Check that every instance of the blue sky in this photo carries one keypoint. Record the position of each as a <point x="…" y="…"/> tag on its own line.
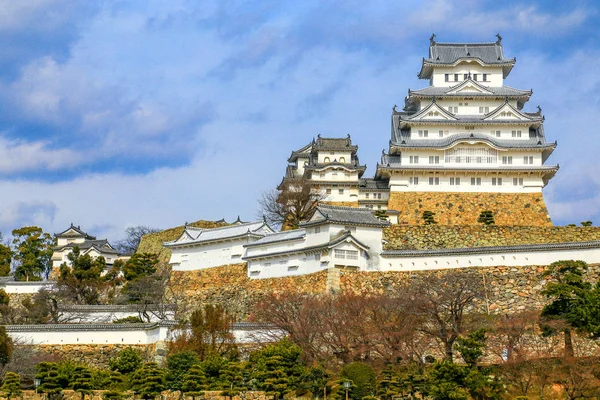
<point x="119" y="113"/>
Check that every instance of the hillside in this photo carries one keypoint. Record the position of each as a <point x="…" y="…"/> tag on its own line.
<point x="152" y="243"/>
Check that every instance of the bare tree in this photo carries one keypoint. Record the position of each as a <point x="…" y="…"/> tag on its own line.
<point x="293" y="201"/>
<point x="133" y="236"/>
<point x="440" y="301"/>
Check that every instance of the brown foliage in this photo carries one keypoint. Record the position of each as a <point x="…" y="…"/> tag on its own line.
<point x="294" y="202"/>
<point x="208" y="334"/>
<point x="344" y="328"/>
<point x="442" y="301"/>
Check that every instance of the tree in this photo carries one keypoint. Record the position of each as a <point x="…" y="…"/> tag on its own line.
<point x="471" y="346"/>
<point x="32" y="253"/>
<point x="126" y="361"/>
<point x="194" y="382"/>
<point x="82" y="282"/>
<point x="440" y="301"/>
<point x="210" y="334"/>
<point x="140" y="265"/>
<point x="6" y="346"/>
<point x="82" y="380"/>
<point x="586" y="223"/>
<point x="566" y="291"/>
<point x="486" y="217"/>
<point x="429" y="217"/>
<point x="146" y="285"/>
<point x="42" y="308"/>
<point x="294" y="201"/>
<point x="389" y="386"/>
<point x="233" y="379"/>
<point x="133" y="236"/>
<point x="148" y="381"/>
<point x="5" y="259"/>
<point x="110" y="381"/>
<point x="12" y="385"/>
<point x="315" y="380"/>
<point x="47" y="372"/>
<point x="178" y="365"/>
<point x="362" y="377"/>
<point x="278" y="368"/>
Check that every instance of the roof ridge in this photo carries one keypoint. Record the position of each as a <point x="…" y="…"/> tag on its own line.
<point x="230" y="226"/>
<point x="343" y="207"/>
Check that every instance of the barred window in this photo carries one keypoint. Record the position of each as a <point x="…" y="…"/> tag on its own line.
<point x="475" y="155"/>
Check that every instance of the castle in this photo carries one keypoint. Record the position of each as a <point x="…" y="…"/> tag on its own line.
<point x="462" y="152"/>
<point x="460" y="146"/>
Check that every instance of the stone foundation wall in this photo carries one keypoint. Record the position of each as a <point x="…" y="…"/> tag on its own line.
<point x="96" y="355"/>
<point x="528" y="209"/>
<point x="230" y="286"/>
<point x="507" y="289"/>
<point x="423" y="237"/>
<point x="342" y="203"/>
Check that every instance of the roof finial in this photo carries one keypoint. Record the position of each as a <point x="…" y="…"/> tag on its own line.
<point x="539" y="110"/>
<point x="185" y="225"/>
<point x="469" y="74"/>
<point x="432" y="39"/>
<point x="433" y="99"/>
<point x="394" y="108"/>
<point x="383" y="152"/>
<point x="499" y="41"/>
<point x="505" y="99"/>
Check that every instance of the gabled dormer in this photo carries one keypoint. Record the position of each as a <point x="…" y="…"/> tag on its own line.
<point x="432" y="112"/>
<point x="508" y="112"/>
<point x="469" y="87"/>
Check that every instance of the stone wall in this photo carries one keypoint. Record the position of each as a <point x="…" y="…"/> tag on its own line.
<point x="527" y="209"/>
<point x="96" y="355"/>
<point x="423" y="237"/>
<point x="230" y="286"/>
<point x="507" y="289"/>
<point x="342" y="203"/>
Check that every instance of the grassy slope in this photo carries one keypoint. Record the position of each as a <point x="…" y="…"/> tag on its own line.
<point x="152" y="243"/>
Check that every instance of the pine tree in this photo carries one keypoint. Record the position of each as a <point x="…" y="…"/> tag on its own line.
<point x="232" y="379"/>
<point x="114" y="385"/>
<point x="389" y="385"/>
<point x="148" y="381"/>
<point x="12" y="385"/>
<point x="274" y="380"/>
<point x="429" y="218"/>
<point x="486" y="217"/>
<point x="194" y="382"/>
<point x="82" y="380"/>
<point x="47" y="372"/>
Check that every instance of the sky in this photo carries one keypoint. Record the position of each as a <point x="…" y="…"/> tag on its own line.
<point x="123" y="113"/>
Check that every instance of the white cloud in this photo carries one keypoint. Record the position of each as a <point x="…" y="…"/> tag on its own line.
<point x="21" y="156"/>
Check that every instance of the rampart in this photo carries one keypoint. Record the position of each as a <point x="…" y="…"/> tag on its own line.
<point x="525" y="209"/>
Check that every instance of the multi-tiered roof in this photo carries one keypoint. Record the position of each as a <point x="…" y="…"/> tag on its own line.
<point x="436" y="108"/>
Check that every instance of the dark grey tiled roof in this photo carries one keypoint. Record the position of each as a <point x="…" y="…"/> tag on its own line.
<point x="88" y="327"/>
<point x="202" y="235"/>
<point x="335" y="143"/>
<point x="354" y="166"/>
<point x="373" y="184"/>
<point x="449" y="53"/>
<point x="346" y="216"/>
<point x="295" y="234"/>
<point x="101" y="245"/>
<point x="404" y="140"/>
<point x="310" y="249"/>
<point x="114" y="307"/>
<point x="493" y="249"/>
<point x="76" y="229"/>
<point x="436" y="91"/>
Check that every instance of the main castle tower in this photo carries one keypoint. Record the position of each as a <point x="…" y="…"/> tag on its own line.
<point x="464" y="145"/>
